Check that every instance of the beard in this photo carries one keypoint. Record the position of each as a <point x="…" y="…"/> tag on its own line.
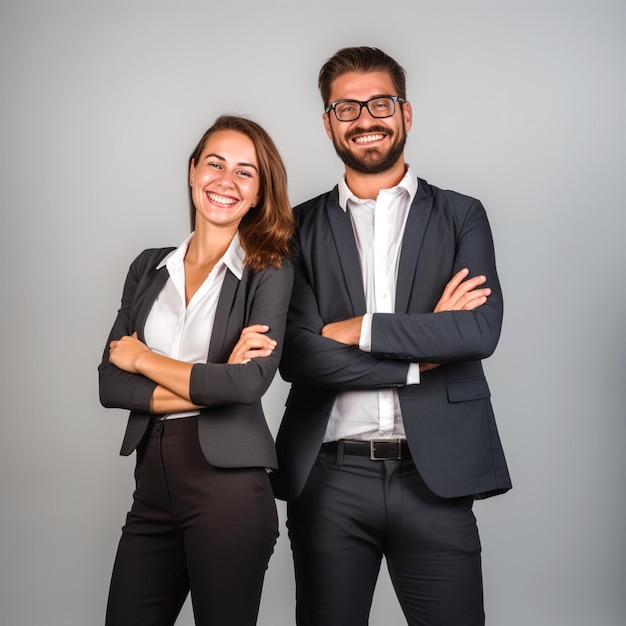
<point x="372" y="161"/>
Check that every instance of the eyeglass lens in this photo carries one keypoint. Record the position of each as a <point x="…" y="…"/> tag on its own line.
<point x="349" y="110"/>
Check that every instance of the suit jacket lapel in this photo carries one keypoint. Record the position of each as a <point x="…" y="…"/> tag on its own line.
<point x="416" y="223"/>
<point x="341" y="228"/>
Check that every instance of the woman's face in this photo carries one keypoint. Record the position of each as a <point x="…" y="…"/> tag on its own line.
<point x="225" y="180"/>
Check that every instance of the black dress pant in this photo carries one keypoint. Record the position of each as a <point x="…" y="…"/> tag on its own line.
<point x="191" y="527"/>
<point x="352" y="512"/>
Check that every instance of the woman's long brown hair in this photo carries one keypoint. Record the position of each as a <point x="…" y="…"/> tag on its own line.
<point x="266" y="230"/>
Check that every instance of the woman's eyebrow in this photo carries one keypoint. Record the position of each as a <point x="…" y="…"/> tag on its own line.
<point x="241" y="164"/>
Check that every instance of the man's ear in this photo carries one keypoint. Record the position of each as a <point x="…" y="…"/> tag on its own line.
<point x="329" y="130"/>
<point x="407" y="116"/>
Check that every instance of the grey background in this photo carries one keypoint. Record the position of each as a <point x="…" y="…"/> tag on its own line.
<point x="520" y="103"/>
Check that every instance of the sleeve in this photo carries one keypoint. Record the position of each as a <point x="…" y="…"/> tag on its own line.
<point x="120" y="389"/>
<point x="365" y="343"/>
<point x="220" y="383"/>
<point x="310" y="359"/>
<point x="451" y="335"/>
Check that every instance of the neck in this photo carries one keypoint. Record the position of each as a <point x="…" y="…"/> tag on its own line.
<point x="208" y="245"/>
<point x="367" y="186"/>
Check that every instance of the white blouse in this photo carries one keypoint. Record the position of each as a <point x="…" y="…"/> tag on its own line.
<point x="180" y="331"/>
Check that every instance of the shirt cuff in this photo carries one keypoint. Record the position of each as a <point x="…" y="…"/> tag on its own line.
<point x="413" y="375"/>
<point x="365" y="340"/>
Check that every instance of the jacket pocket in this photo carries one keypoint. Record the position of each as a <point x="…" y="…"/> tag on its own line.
<point x="468" y="389"/>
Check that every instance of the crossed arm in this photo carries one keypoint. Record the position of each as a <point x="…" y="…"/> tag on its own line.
<point x="459" y="295"/>
<point x="133" y="377"/>
<point x="329" y="356"/>
<point x="172" y="377"/>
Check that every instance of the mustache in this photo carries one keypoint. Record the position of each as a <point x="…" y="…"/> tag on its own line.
<point x="368" y="131"/>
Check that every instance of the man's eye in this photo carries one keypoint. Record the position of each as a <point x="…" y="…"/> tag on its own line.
<point x="380" y="105"/>
<point x="346" y="108"/>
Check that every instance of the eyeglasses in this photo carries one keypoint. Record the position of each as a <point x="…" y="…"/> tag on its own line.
<point x="350" y="110"/>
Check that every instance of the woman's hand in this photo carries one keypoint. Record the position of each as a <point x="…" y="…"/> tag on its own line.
<point x="253" y="343"/>
<point x="123" y="353"/>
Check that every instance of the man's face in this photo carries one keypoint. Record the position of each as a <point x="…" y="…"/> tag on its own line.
<point x="367" y="145"/>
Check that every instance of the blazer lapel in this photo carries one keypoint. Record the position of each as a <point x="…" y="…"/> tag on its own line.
<point x="147" y="299"/>
<point x="416" y="223"/>
<point x="223" y="315"/>
<point x="223" y="312"/>
<point x="341" y="228"/>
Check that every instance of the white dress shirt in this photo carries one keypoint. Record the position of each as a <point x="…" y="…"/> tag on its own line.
<point x="182" y="331"/>
<point x="378" y="229"/>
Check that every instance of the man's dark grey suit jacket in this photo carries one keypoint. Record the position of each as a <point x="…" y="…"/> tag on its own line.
<point x="448" y="417"/>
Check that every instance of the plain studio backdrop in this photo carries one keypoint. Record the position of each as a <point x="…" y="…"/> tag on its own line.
<point x="519" y="103"/>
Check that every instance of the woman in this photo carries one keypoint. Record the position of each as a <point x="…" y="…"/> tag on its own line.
<point x="196" y="343"/>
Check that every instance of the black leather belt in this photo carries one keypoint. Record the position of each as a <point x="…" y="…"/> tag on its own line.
<point x="375" y="449"/>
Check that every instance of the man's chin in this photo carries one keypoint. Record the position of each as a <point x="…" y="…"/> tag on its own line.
<point x="372" y="163"/>
<point x="371" y="160"/>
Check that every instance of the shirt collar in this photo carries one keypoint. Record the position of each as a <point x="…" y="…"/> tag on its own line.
<point x="233" y="257"/>
<point x="408" y="184"/>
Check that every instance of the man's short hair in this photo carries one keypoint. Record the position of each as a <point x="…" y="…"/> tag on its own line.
<point x="361" y="59"/>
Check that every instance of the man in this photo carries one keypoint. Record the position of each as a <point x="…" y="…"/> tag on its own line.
<point x="388" y="434"/>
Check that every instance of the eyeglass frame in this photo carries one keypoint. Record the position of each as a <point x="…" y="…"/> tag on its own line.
<point x="365" y="103"/>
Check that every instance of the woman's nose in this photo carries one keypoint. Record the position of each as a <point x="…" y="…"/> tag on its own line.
<point x="225" y="180"/>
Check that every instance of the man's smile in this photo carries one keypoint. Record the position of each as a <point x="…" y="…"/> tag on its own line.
<point x="363" y="139"/>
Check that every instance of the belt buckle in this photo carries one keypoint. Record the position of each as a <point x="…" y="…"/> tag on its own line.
<point x="373" y="456"/>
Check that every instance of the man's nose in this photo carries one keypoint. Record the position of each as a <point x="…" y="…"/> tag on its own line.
<point x="366" y="116"/>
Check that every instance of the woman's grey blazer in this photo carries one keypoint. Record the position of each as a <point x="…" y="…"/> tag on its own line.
<point x="231" y="428"/>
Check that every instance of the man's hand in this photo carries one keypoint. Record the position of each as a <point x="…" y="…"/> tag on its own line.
<point x="347" y="331"/>
<point x="460" y="295"/>
<point x="463" y="295"/>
